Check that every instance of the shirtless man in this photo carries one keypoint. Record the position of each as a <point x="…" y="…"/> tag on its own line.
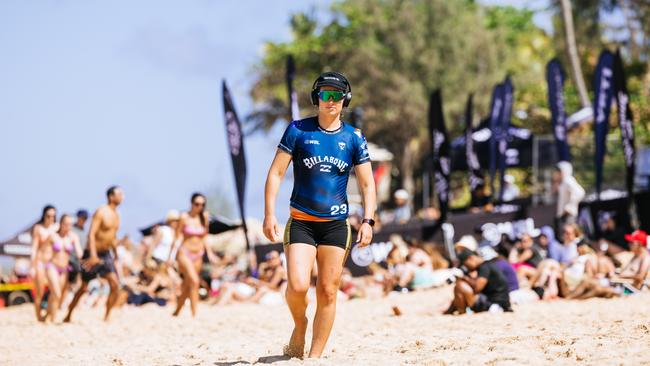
<point x="97" y="259"/>
<point x="636" y="271"/>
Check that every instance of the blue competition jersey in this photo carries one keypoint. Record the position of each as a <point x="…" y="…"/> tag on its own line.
<point x="321" y="166"/>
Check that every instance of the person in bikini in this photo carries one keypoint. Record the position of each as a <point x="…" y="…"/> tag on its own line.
<point x="41" y="254"/>
<point x="63" y="243"/>
<point x="324" y="151"/>
<point x="98" y="258"/>
<point x="191" y="230"/>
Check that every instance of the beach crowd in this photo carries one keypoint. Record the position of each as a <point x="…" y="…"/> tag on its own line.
<point x="79" y="259"/>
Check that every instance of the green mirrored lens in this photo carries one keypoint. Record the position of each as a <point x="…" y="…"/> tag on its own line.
<point x="326" y="95"/>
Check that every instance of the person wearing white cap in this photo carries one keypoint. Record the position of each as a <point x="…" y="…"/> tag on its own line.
<point x="510" y="190"/>
<point x="162" y="249"/>
<point x="403" y="210"/>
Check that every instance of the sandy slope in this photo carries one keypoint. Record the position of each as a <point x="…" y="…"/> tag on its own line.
<point x="591" y="332"/>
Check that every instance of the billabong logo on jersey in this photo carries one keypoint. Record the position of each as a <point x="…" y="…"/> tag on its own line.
<point x="342" y="145"/>
<point x="315" y="160"/>
<point x="312" y="142"/>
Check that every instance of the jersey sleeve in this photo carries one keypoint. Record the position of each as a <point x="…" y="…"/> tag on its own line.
<point x="361" y="154"/>
<point x="483" y="271"/>
<point x="288" y="141"/>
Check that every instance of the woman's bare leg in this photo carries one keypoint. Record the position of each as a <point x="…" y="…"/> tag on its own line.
<point x="54" y="284"/>
<point x="300" y="261"/>
<point x="185" y="290"/>
<point x="194" y="283"/>
<point x="39" y="289"/>
<point x="330" y="266"/>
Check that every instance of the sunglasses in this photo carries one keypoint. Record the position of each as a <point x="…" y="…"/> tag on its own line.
<point x="198" y="204"/>
<point x="334" y="95"/>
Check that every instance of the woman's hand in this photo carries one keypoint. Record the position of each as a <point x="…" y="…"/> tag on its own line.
<point x="270" y="228"/>
<point x="364" y="236"/>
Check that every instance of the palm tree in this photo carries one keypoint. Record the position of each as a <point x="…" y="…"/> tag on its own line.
<point x="572" y="49"/>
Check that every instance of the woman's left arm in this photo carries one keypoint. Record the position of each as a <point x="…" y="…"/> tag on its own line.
<point x="367" y="187"/>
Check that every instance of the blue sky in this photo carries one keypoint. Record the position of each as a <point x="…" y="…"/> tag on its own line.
<point x="100" y="93"/>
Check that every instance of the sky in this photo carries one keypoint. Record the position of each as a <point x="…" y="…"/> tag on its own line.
<point x="100" y="93"/>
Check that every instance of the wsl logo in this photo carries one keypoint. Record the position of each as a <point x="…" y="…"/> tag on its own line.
<point x="234" y="133"/>
<point x="315" y="160"/>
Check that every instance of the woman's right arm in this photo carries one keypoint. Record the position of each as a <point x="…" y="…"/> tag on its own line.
<point x="273" y="180"/>
<point x="35" y="244"/>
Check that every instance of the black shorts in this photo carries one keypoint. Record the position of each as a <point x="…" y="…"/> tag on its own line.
<point x="106" y="266"/>
<point x="74" y="268"/>
<point x="482" y="303"/>
<point x="336" y="233"/>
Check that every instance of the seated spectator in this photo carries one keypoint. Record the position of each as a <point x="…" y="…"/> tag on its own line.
<point x="571" y="236"/>
<point x="151" y="285"/>
<point x="488" y="290"/>
<point x="596" y="282"/>
<point x="403" y="209"/>
<point x="267" y="289"/>
<point x="481" y="200"/>
<point x="549" y="246"/>
<point x="636" y="271"/>
<point x="348" y="286"/>
<point x="611" y="234"/>
<point x="490" y="255"/>
<point x="546" y="282"/>
<point x="575" y="273"/>
<point x="510" y="189"/>
<point x="525" y="257"/>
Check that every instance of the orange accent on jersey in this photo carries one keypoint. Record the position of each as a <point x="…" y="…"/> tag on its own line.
<point x="299" y="215"/>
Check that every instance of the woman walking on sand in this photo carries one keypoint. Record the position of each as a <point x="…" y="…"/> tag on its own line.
<point x="191" y="230"/>
<point x="324" y="150"/>
<point x="62" y="244"/>
<point x="41" y="254"/>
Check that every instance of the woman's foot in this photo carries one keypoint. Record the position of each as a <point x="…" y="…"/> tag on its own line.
<point x="296" y="346"/>
<point x="177" y="311"/>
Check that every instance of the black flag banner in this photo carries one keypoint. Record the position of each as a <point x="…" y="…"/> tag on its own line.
<point x="555" y="79"/>
<point x="236" y="144"/>
<point x="603" y="94"/>
<point x="625" y="121"/>
<point x="473" y="167"/>
<point x="440" y="144"/>
<point x="294" y="111"/>
<point x="503" y="132"/>
<point x="496" y="108"/>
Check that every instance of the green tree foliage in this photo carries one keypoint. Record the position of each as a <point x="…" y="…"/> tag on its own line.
<point x="396" y="52"/>
<point x="595" y="30"/>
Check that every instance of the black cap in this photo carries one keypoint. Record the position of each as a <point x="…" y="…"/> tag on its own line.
<point x="333" y="79"/>
<point x="463" y="255"/>
<point x="82" y="213"/>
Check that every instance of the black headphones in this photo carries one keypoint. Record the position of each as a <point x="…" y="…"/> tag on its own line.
<point x="332" y="75"/>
